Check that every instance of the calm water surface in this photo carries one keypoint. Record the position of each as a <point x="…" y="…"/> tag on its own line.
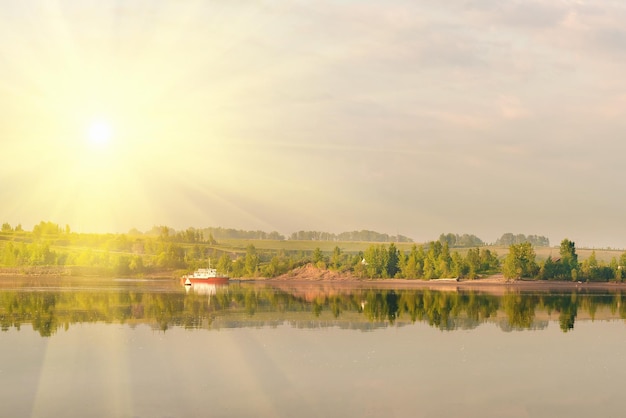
<point x="151" y="349"/>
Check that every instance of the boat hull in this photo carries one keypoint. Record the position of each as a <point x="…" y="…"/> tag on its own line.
<point x="188" y="281"/>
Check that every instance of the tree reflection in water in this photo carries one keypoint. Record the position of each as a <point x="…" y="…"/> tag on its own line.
<point x="241" y="305"/>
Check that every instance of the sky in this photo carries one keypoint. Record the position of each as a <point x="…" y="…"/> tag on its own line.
<point x="409" y="117"/>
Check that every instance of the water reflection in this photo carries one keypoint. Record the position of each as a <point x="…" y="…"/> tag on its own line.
<point x="163" y="305"/>
<point x="204" y="288"/>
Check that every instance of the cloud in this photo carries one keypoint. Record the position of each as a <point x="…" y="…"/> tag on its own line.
<point x="539" y="14"/>
<point x="511" y="107"/>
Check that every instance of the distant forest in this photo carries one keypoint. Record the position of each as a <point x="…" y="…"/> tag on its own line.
<point x="211" y="234"/>
<point x="217" y="233"/>
<point x="356" y="236"/>
<point x="512" y="239"/>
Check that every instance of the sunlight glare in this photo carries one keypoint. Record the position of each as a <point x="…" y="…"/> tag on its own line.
<point x="99" y="133"/>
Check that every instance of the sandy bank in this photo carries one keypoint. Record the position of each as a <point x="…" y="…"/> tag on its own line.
<point x="310" y="275"/>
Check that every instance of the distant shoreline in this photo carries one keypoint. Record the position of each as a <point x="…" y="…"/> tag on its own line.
<point x="488" y="284"/>
<point x="335" y="279"/>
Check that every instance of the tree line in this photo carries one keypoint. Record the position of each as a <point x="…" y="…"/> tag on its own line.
<point x="521" y="263"/>
<point x="431" y="261"/>
<point x="50" y="244"/>
<point x="465" y="240"/>
<point x="353" y="236"/>
<point x="211" y="234"/>
<point x="120" y="254"/>
<point x="511" y="239"/>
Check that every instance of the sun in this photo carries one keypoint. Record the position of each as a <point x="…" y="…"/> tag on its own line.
<point x="99" y="133"/>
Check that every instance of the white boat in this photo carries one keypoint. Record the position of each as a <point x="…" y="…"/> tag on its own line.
<point x="205" y="275"/>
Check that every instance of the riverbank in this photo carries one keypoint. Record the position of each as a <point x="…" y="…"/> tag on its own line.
<point x="492" y="285"/>
<point x="310" y="276"/>
<point x="81" y="271"/>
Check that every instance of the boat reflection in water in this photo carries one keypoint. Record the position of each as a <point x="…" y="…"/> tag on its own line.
<point x="205" y="288"/>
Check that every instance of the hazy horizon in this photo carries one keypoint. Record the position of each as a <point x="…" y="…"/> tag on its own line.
<point x="402" y="117"/>
<point x="287" y="234"/>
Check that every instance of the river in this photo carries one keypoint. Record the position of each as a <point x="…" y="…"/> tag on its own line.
<point x="150" y="348"/>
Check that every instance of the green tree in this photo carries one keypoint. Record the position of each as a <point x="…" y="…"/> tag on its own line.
<point x="617" y="271"/>
<point x="164" y="233"/>
<point x="589" y="265"/>
<point x="444" y="261"/>
<point x="548" y="270"/>
<point x="376" y="261"/>
<point x="272" y="269"/>
<point x="622" y="260"/>
<point x="489" y="262"/>
<point x="472" y="259"/>
<point x="46" y="228"/>
<point x="459" y="267"/>
<point x="429" y="269"/>
<point x="136" y="264"/>
<point x="317" y="255"/>
<point x="412" y="269"/>
<point x="569" y="259"/>
<point x="337" y="258"/>
<point x="239" y="267"/>
<point x="520" y="262"/>
<point x="41" y="254"/>
<point x="252" y="261"/>
<point x="171" y="256"/>
<point x="10" y="253"/>
<point x="224" y="264"/>
<point x="392" y="260"/>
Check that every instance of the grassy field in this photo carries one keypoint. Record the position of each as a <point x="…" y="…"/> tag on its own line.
<point x="306" y="246"/>
<point x="239" y="246"/>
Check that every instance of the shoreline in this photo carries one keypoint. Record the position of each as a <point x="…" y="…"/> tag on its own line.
<point x="491" y="284"/>
<point x="326" y="278"/>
